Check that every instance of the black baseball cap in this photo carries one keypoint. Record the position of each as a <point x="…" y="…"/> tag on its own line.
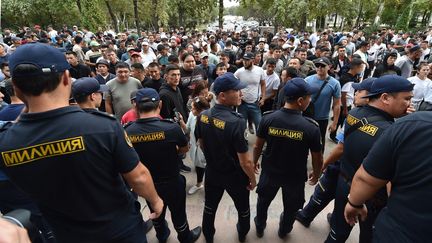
<point x="322" y="60"/>
<point x="86" y="86"/>
<point x="226" y="82"/>
<point x="389" y="84"/>
<point x="248" y="56"/>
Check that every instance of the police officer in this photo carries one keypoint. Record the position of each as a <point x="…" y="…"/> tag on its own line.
<point x="88" y="93"/>
<point x="150" y="135"/>
<point x="70" y="161"/>
<point x="220" y="133"/>
<point x="325" y="190"/>
<point x="389" y="98"/>
<point x="402" y="156"/>
<point x="289" y="137"/>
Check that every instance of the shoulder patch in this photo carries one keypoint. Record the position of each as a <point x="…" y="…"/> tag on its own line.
<point x="102" y="114"/>
<point x="311" y="121"/>
<point x="268" y="112"/>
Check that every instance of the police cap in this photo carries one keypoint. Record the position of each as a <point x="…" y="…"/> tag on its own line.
<point x="86" y="86"/>
<point x="298" y="87"/>
<point x="226" y="82"/>
<point x="46" y="58"/>
<point x="389" y="84"/>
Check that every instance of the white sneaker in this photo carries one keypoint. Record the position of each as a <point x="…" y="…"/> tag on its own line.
<point x="194" y="189"/>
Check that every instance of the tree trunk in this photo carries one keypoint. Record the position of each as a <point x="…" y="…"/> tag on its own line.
<point x="335" y="21"/>
<point x="303" y="22"/>
<point x="155" y="18"/>
<point x="410" y="14"/>
<point x="136" y="16"/>
<point x="78" y="2"/>
<point x="181" y="13"/>
<point x="379" y="12"/>
<point x="424" y="17"/>
<point x="221" y="13"/>
<point x="342" y="24"/>
<point x="430" y="19"/>
<point x="357" y="23"/>
<point x="113" y="17"/>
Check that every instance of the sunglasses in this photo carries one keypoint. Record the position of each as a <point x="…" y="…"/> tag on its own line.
<point x="320" y="65"/>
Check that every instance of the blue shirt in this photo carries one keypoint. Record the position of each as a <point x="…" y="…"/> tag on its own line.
<point x="331" y="90"/>
<point x="11" y="112"/>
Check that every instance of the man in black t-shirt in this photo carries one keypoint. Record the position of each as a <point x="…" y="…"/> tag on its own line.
<point x="76" y="173"/>
<point x="150" y="135"/>
<point x="389" y="98"/>
<point x="77" y="70"/>
<point x="155" y="80"/>
<point x="400" y="156"/>
<point x="297" y="135"/>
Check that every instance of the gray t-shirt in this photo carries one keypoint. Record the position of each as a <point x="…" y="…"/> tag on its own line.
<point x="120" y="95"/>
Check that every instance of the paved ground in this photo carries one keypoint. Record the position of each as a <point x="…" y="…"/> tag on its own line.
<point x="227" y="216"/>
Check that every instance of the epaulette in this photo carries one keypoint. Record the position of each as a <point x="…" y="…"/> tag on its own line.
<point x="5" y="126"/>
<point x="311" y="121"/>
<point x="168" y="120"/>
<point x="268" y="112"/>
<point x="103" y="114"/>
<point x="128" y="124"/>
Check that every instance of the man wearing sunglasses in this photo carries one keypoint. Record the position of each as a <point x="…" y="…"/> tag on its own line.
<point x="330" y="91"/>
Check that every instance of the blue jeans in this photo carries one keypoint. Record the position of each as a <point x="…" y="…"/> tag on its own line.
<point x="250" y="111"/>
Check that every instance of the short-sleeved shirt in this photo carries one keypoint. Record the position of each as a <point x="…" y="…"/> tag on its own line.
<point x="358" y="144"/>
<point x="406" y="66"/>
<point x="253" y="78"/>
<point x="402" y="155"/>
<point x="72" y="170"/>
<point x="120" y="95"/>
<point x="222" y="140"/>
<point x="189" y="80"/>
<point x="156" y="143"/>
<point x="272" y="83"/>
<point x="331" y="90"/>
<point x="289" y="137"/>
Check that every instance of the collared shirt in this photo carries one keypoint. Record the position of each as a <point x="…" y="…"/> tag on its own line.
<point x="289" y="137"/>
<point x="156" y="143"/>
<point x="222" y="140"/>
<point x="75" y="172"/>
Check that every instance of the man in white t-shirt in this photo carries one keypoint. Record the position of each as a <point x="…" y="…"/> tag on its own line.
<point x="272" y="84"/>
<point x="254" y="95"/>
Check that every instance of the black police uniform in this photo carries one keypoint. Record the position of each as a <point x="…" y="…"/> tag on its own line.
<point x="356" y="147"/>
<point x="222" y="133"/>
<point x="72" y="170"/>
<point x="289" y="137"/>
<point x="402" y="156"/>
<point x="156" y="142"/>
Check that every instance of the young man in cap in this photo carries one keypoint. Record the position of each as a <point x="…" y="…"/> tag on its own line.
<point x="150" y="135"/>
<point x="75" y="172"/>
<point x="254" y="95"/>
<point x="220" y="133"/>
<point x="325" y="191"/>
<point x="330" y="93"/>
<point x="389" y="98"/>
<point x="103" y="74"/>
<point x="88" y="93"/>
<point x="297" y="135"/>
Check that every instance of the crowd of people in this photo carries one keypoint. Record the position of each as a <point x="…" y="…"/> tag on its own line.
<point x="94" y="120"/>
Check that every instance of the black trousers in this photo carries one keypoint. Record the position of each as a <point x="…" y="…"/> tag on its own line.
<point x="173" y="193"/>
<point x="292" y="196"/>
<point x="323" y="124"/>
<point x="340" y="229"/>
<point x="236" y="189"/>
